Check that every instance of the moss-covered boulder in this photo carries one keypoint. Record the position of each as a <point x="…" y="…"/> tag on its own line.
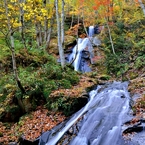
<point x="53" y="46"/>
<point x="68" y="105"/>
<point x="11" y="114"/>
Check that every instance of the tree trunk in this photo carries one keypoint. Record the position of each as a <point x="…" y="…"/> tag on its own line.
<point x="111" y="41"/>
<point x="22" y="24"/>
<point x="61" y="51"/>
<point x="62" y="23"/>
<point x="49" y="33"/>
<point x="45" y="29"/>
<point x="12" y="48"/>
<point x="38" y="34"/>
<point x="72" y="20"/>
<point x="45" y="23"/>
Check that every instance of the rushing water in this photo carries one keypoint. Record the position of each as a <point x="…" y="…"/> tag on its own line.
<point x="91" y="31"/>
<point x="101" y="119"/>
<point x="77" y="52"/>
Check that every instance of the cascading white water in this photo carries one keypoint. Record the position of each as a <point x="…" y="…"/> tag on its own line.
<point x="81" y="45"/>
<point x="106" y="112"/>
<point x="54" y="140"/>
<point x="73" y="54"/>
<point x="106" y="119"/>
<point x="91" y="31"/>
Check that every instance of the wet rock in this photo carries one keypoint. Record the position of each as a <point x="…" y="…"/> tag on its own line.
<point x="12" y="143"/>
<point x="143" y="116"/>
<point x="23" y="141"/>
<point x="122" y="96"/>
<point x="85" y="95"/>
<point x="133" y="129"/>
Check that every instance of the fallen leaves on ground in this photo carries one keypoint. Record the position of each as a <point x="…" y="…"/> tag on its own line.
<point x="30" y="126"/>
<point x="137" y="86"/>
<point x="75" y="91"/>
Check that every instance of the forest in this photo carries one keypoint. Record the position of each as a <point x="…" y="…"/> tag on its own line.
<point x="38" y="87"/>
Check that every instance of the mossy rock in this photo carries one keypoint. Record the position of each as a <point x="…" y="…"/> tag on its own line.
<point x="27" y="104"/>
<point x="11" y="114"/>
<point x="69" y="41"/>
<point x="53" y="46"/>
<point x="68" y="105"/>
<point x="104" y="77"/>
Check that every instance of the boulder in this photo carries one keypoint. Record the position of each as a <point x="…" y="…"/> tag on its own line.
<point x="10" y="114"/>
<point x="69" y="41"/>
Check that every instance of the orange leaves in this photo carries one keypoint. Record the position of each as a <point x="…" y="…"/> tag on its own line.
<point x="95" y="7"/>
<point x="31" y="126"/>
<point x="73" y="30"/>
<point x="75" y="91"/>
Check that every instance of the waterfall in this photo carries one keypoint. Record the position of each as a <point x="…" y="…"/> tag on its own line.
<point x="77" y="50"/>
<point x="91" y="31"/>
<point x="81" y="46"/>
<point x="77" y="53"/>
<point x="102" y="117"/>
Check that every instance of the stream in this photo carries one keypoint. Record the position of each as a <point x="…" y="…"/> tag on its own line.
<point x="99" y="122"/>
<point x="83" y="51"/>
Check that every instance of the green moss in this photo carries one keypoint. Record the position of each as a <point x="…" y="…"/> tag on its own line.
<point x="66" y="104"/>
<point x="2" y="98"/>
<point x="132" y="75"/>
<point x="1" y="134"/>
<point x="104" y="77"/>
<point x="66" y="84"/>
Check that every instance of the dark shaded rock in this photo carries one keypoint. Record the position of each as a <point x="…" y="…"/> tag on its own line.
<point x="11" y="114"/>
<point x="67" y="105"/>
<point x="133" y="129"/>
<point x="70" y="44"/>
<point x="23" y="141"/>
<point x="122" y="96"/>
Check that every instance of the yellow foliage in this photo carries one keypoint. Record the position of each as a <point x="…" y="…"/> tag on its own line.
<point x="39" y="18"/>
<point x="1" y="95"/>
<point x="38" y="1"/>
<point x="27" y="17"/>
<point x="126" y="19"/>
<point x="13" y="1"/>
<point x="25" y="7"/>
<point x="10" y="6"/>
<point x="8" y="86"/>
<point x="1" y="110"/>
<point x="16" y="24"/>
<point x="116" y="8"/>
<point x="22" y="5"/>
